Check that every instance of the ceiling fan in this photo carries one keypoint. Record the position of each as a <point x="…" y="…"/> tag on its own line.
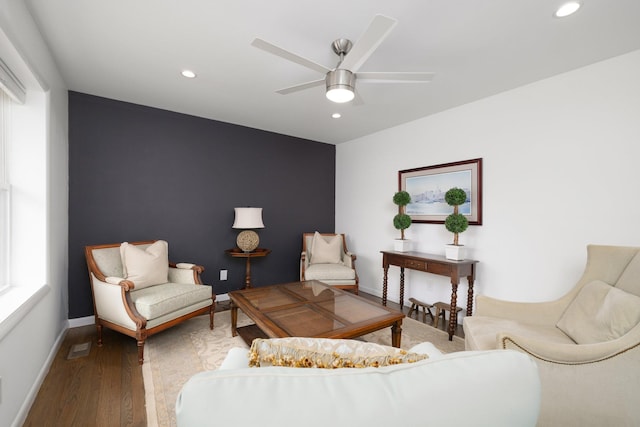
<point x="340" y="81"/>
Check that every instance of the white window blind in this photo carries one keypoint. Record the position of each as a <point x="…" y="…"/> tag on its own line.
<point x="11" y="84"/>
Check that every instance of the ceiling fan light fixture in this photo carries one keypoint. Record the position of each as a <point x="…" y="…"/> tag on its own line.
<point x="340" y="86"/>
<point x="340" y="95"/>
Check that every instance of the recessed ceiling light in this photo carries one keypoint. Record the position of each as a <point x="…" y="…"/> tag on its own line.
<point x="188" y="74"/>
<point x="336" y="115"/>
<point x="567" y="9"/>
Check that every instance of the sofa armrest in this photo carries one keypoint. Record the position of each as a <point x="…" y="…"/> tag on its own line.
<point x="571" y="354"/>
<point x="534" y="313"/>
<point x="348" y="259"/>
<point x="185" y="273"/>
<point x="113" y="302"/>
<point x="304" y="263"/>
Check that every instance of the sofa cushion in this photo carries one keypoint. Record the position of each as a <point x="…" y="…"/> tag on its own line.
<point x="155" y="301"/>
<point x="326" y="249"/>
<point x="600" y="313"/>
<point x="326" y="353"/>
<point x="145" y="267"/>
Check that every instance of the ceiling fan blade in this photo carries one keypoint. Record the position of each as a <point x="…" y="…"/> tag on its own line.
<point x="369" y="41"/>
<point x="278" y="51"/>
<point x="358" y="100"/>
<point x="396" y="77"/>
<point x="300" y="87"/>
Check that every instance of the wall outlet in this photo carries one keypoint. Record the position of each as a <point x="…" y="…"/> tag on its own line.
<point x="223" y="274"/>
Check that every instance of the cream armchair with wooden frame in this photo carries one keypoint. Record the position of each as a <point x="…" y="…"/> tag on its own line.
<point x="138" y="292"/>
<point x="325" y="258"/>
<point x="586" y="343"/>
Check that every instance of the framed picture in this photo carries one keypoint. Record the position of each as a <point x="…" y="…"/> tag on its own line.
<point x="428" y="185"/>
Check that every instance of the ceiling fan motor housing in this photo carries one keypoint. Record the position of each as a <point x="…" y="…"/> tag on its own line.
<point x="340" y="80"/>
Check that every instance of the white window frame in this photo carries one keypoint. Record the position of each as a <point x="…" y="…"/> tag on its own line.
<point x="5" y="191"/>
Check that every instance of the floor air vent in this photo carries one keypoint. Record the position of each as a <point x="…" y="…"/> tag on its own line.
<point x="79" y="350"/>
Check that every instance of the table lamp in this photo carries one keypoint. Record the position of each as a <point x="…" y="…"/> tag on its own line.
<point x="248" y="219"/>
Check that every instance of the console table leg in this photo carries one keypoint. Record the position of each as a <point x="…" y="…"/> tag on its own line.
<point x="452" y="310"/>
<point x="384" y="285"/>
<point x="402" y="289"/>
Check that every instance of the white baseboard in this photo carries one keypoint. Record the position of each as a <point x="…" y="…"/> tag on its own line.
<point x="21" y="417"/>
<point x="82" y="321"/>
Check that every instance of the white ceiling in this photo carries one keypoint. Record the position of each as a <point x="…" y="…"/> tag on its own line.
<point x="134" y="50"/>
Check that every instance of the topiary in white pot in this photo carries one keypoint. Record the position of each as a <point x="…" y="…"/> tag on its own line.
<point x="456" y="222"/>
<point x="402" y="221"/>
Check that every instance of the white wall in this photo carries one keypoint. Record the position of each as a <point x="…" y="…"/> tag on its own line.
<point x="560" y="160"/>
<point x="30" y="340"/>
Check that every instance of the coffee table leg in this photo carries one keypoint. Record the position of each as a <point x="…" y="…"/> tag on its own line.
<point x="396" y="334"/>
<point x="234" y="319"/>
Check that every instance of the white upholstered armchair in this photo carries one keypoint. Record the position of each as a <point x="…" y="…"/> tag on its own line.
<point x="325" y="258"/>
<point x="137" y="292"/>
<point x="586" y="344"/>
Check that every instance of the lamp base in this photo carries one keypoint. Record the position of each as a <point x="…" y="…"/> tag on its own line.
<point x="248" y="240"/>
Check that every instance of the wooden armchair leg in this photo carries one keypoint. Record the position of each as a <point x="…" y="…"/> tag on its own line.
<point x="99" y="329"/>
<point x="140" y="351"/>
<point x="211" y="312"/>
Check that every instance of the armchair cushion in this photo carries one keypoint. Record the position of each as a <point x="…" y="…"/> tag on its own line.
<point x="326" y="250"/>
<point x="145" y="267"/>
<point x="326" y="353"/>
<point x="324" y="272"/>
<point x="600" y="313"/>
<point x="155" y="301"/>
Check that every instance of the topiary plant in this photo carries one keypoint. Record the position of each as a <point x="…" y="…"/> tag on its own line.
<point x="456" y="222"/>
<point x="401" y="221"/>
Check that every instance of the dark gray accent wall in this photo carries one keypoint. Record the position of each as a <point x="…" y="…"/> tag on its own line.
<point x="140" y="173"/>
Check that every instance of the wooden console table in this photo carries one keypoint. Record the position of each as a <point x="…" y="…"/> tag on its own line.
<point x="435" y="264"/>
<point x="238" y="253"/>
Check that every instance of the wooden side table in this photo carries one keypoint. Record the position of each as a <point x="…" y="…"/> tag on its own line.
<point x="239" y="253"/>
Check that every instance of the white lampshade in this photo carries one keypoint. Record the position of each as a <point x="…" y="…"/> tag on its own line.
<point x="247" y="218"/>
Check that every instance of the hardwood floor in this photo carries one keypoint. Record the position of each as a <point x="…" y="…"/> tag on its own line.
<point x="104" y="388"/>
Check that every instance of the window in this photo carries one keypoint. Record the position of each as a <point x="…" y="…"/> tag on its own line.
<point x="23" y="189"/>
<point x="5" y="111"/>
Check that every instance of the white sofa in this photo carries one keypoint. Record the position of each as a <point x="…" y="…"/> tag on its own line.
<point x="487" y="388"/>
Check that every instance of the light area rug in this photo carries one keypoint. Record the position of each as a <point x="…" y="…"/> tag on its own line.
<point x="174" y="355"/>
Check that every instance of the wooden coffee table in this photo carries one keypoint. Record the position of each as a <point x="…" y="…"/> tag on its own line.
<point x="312" y="309"/>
